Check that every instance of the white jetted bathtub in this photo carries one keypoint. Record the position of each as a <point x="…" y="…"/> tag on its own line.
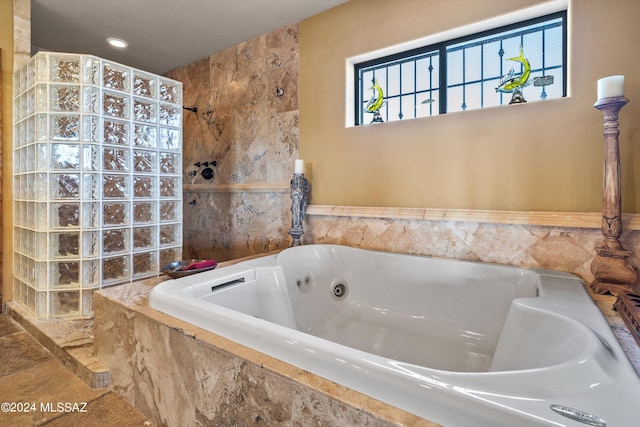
<point x="458" y="343"/>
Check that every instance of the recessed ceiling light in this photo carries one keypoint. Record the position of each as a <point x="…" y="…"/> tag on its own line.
<point x="119" y="43"/>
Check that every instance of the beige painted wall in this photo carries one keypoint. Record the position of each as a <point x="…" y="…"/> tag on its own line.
<point x="6" y="44"/>
<point x="15" y="42"/>
<point x="539" y="156"/>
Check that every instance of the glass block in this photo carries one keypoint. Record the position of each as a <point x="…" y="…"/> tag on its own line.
<point x="169" y="186"/>
<point x="91" y="273"/>
<point x="170" y="116"/>
<point x="144" y="212"/>
<point x="17" y="185"/>
<point x="41" y="127"/>
<point x="170" y="234"/>
<point x="64" y="273"/>
<point x="42" y="275"/>
<point x="170" y="163"/>
<point x="65" y="68"/>
<point x="90" y="70"/>
<point x="144" y="85"/>
<point x="65" y="186"/>
<point x="30" y="74"/>
<point x="91" y="186"/>
<point x="28" y="242"/>
<point x="90" y="128"/>
<point x="115" y="186"/>
<point x="42" y="67"/>
<point x="29" y="107"/>
<point x="31" y="299"/>
<point x="30" y="135"/>
<point x="170" y="255"/>
<point x="73" y="194"/>
<point x="30" y="274"/>
<point x="64" y="245"/>
<point x="65" y="127"/>
<point x="145" y="264"/>
<point x="145" y="136"/>
<point x="115" y="159"/>
<point x="40" y="219"/>
<point x="17" y="290"/>
<point x="17" y="237"/>
<point x="64" y="98"/>
<point x="115" y="269"/>
<point x="115" y="213"/>
<point x="144" y="111"/>
<point x="38" y="186"/>
<point x="21" y="133"/>
<point x="116" y="132"/>
<point x="28" y="154"/>
<point x="170" y="139"/>
<point x="31" y="215"/>
<point x="90" y="215"/>
<point x="42" y="305"/>
<point x="115" y="77"/>
<point x="115" y="105"/>
<point x="170" y="91"/>
<point x="90" y="245"/>
<point x="40" y="101"/>
<point x="144" y="238"/>
<point x="65" y="157"/>
<point x="91" y="158"/>
<point x="170" y="210"/>
<point x="63" y="215"/>
<point x="87" y="303"/>
<point x="144" y="161"/>
<point x="91" y="100"/>
<point x="115" y="240"/>
<point x="64" y="303"/>
<point x="144" y="186"/>
<point x="18" y="108"/>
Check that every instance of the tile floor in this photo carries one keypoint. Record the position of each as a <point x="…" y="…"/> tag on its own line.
<point x="54" y="396"/>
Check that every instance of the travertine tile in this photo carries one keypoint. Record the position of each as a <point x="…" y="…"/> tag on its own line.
<point x="8" y="326"/>
<point x="45" y="382"/>
<point x="20" y="351"/>
<point x="114" y="343"/>
<point x="230" y="391"/>
<point x="253" y="136"/>
<point x="166" y="392"/>
<point x="108" y="409"/>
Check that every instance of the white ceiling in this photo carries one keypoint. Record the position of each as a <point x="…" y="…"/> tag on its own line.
<point x="162" y="34"/>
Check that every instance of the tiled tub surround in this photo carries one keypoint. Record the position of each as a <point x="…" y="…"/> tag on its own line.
<point x="178" y="374"/>
<point x="564" y="241"/>
<point x="150" y="365"/>
<point x="424" y="334"/>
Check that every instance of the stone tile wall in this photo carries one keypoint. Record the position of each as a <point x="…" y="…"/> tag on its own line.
<point x="178" y="374"/>
<point x="252" y="134"/>
<point x="569" y="249"/>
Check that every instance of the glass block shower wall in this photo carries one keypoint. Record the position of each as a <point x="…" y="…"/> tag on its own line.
<point x="97" y="180"/>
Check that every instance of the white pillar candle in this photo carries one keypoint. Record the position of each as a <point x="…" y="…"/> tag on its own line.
<point x="611" y="86"/>
<point x="299" y="166"/>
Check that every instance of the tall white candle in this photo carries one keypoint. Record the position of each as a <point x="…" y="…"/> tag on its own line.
<point x="611" y="86"/>
<point x="299" y="166"/>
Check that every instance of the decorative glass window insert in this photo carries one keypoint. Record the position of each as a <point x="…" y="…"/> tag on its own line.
<point x="517" y="63"/>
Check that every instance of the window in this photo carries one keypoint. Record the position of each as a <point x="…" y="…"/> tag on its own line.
<point x="481" y="70"/>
